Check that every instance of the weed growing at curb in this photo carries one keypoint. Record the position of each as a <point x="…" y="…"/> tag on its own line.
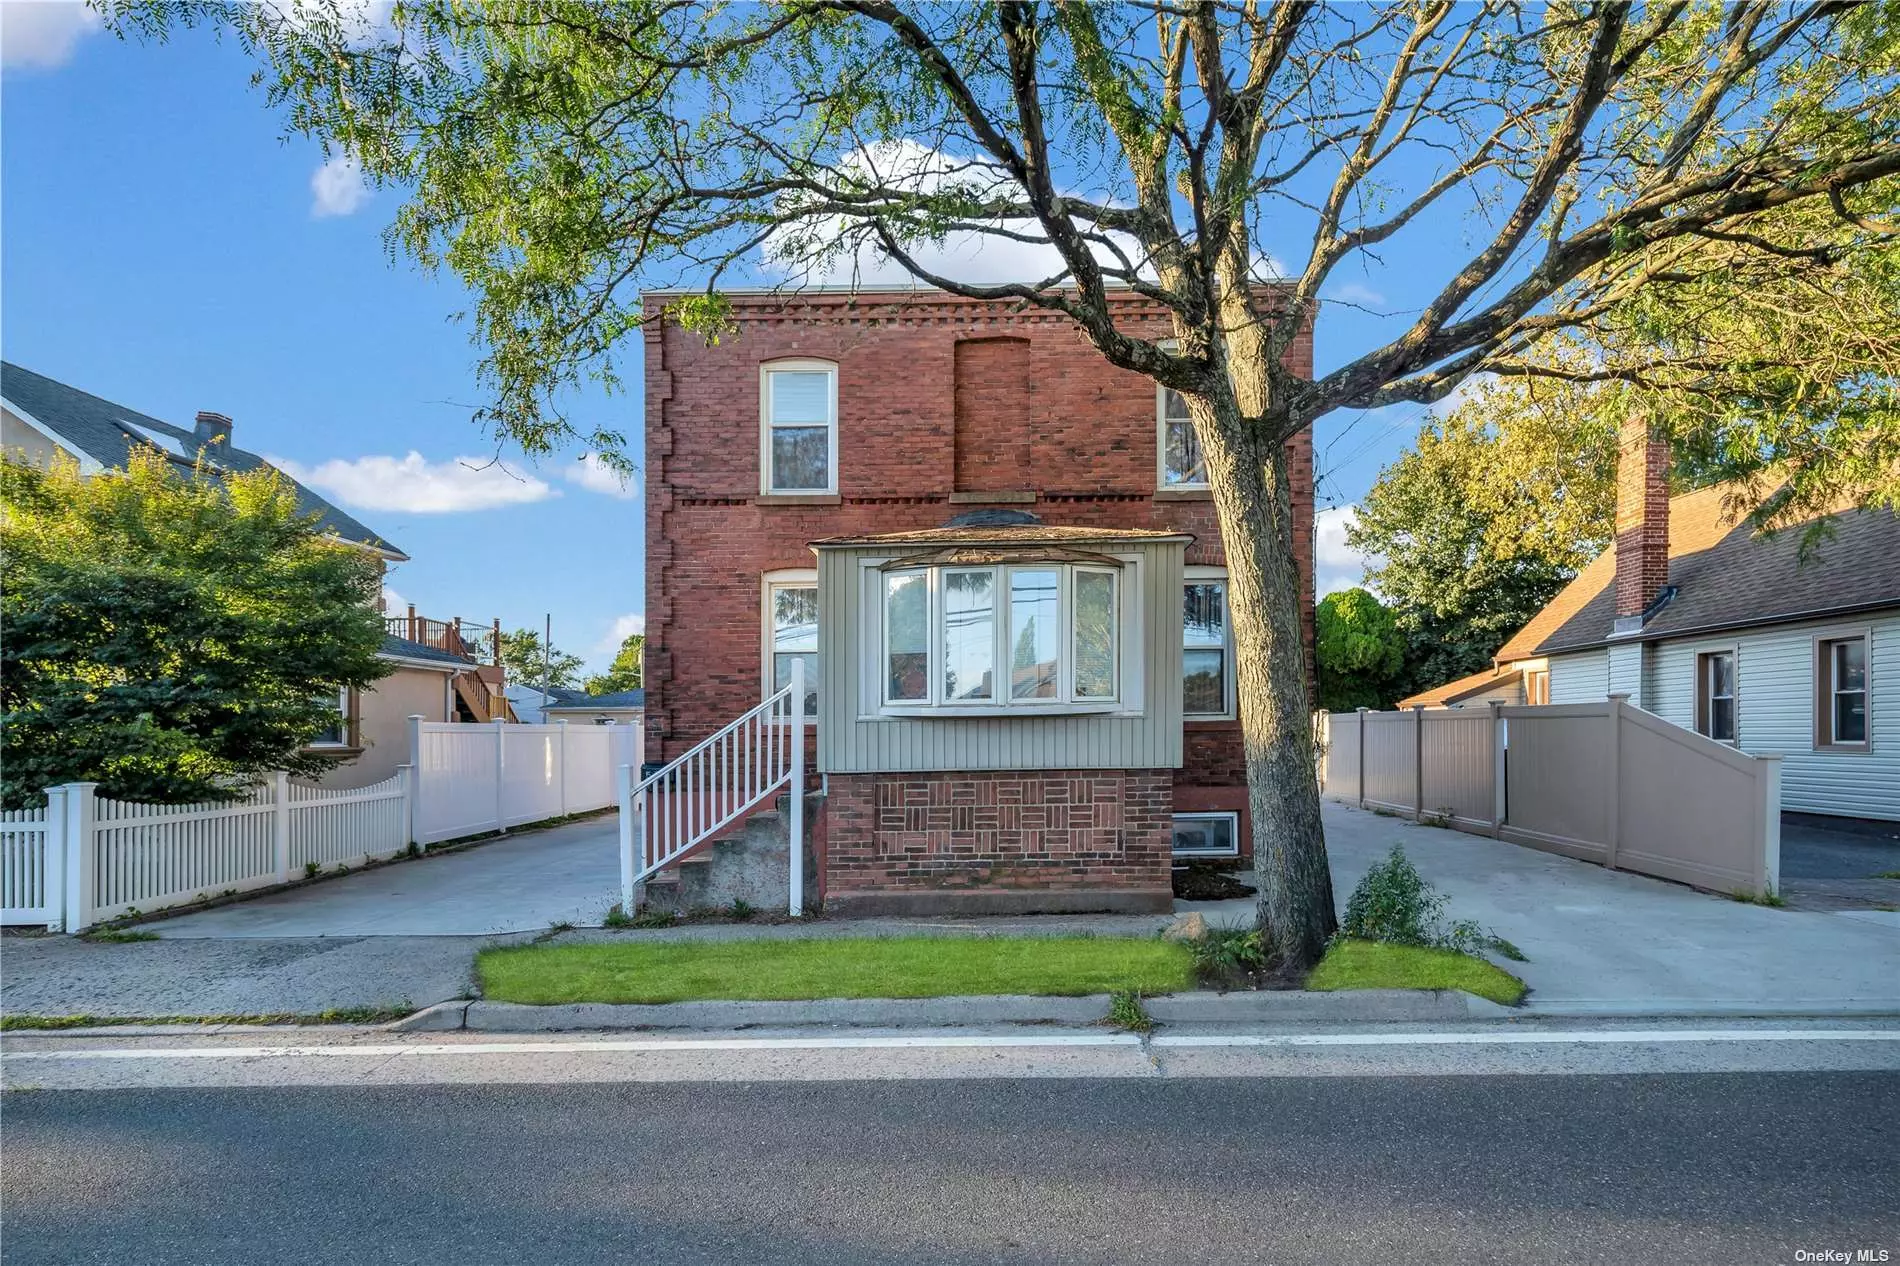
<point x="1774" y="900"/>
<point x="1125" y="1012"/>
<point x="339" y="1015"/>
<point x="117" y="936"/>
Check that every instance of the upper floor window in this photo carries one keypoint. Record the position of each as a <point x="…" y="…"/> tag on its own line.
<point x="1206" y="645"/>
<point x="1182" y="464"/>
<point x="791" y="632"/>
<point x="1841" y="705"/>
<point x="337" y="732"/>
<point x="798" y="403"/>
<point x="1715" y="695"/>
<point x="1026" y="634"/>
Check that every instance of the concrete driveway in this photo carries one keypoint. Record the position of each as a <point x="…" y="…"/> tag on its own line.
<point x="1608" y="942"/>
<point x="566" y="874"/>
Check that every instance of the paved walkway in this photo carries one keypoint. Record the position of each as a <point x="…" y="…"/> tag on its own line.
<point x="1609" y="941"/>
<point x="567" y="874"/>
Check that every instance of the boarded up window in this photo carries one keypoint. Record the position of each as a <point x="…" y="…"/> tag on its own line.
<point x="993" y="417"/>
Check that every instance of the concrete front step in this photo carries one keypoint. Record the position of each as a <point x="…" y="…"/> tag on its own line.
<point x="749" y="864"/>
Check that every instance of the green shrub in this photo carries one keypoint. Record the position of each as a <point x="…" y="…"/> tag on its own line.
<point x="1393" y="904"/>
<point x="1227" y="951"/>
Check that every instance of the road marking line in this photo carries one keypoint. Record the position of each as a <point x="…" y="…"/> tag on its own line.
<point x="1600" y="1037"/>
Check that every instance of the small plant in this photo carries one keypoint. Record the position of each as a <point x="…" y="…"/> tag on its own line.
<point x="414" y="849"/>
<point x="655" y="919"/>
<point x="742" y="910"/>
<point x="559" y="926"/>
<point x="119" y="936"/>
<point x="1771" y="898"/>
<point x="310" y="870"/>
<point x="1125" y="1012"/>
<point x="617" y="918"/>
<point x="1440" y="818"/>
<point x="1395" y="905"/>
<point x="1227" y="951"/>
<point x="1888" y="874"/>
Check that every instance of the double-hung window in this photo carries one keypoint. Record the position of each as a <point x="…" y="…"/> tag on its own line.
<point x="337" y="732"/>
<point x="791" y="632"/>
<point x="1206" y="645"/>
<point x="1841" y="706"/>
<point x="798" y="404"/>
<point x="1182" y="463"/>
<point x="1025" y="635"/>
<point x="1715" y="695"/>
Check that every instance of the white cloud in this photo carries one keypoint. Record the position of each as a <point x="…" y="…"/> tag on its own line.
<point x="393" y="602"/>
<point x="1336" y="564"/>
<point x="337" y="187"/>
<point x="419" y="486"/>
<point x="595" y="475"/>
<point x="623" y="627"/>
<point x="43" y="32"/>
<point x="1352" y="292"/>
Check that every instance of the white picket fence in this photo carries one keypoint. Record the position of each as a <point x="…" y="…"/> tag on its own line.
<point x="479" y="778"/>
<point x="83" y="859"/>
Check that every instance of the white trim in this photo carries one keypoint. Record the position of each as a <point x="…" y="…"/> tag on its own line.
<point x="1700" y="697"/>
<point x="1204" y="575"/>
<point x="343" y="708"/>
<point x="431" y="664"/>
<point x="1231" y="817"/>
<point x="781" y="578"/>
<point x="1161" y="450"/>
<point x="88" y="464"/>
<point x="805" y="366"/>
<point x="1822" y="643"/>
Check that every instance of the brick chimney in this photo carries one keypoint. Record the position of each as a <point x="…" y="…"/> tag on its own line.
<point x="1642" y="516"/>
<point x="212" y="430"/>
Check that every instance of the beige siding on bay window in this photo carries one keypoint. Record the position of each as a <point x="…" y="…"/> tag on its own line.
<point x="854" y="737"/>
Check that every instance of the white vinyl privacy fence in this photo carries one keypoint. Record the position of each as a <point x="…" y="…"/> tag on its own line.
<point x="82" y="859"/>
<point x="1605" y="782"/>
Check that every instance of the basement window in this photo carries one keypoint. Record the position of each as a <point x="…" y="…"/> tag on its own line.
<point x="1207" y="835"/>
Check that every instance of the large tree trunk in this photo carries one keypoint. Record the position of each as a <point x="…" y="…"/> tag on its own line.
<point x="1252" y="496"/>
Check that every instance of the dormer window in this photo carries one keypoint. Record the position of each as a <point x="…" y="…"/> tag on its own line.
<point x="798" y="405"/>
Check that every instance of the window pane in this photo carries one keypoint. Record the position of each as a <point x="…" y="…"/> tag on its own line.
<point x="801" y="456"/>
<point x="1204" y="835"/>
<point x="1850" y="717"/>
<point x="1094" y="635"/>
<point x="1721" y="676"/>
<point x="1850" y="665"/>
<point x="782" y="676"/>
<point x="969" y="634"/>
<point x="800" y="396"/>
<point x="1204" y="614"/>
<point x="907" y="630"/>
<point x="1034" y="633"/>
<point x="1183" y="463"/>
<point x="1722" y="720"/>
<point x="1204" y="685"/>
<point x="794" y="618"/>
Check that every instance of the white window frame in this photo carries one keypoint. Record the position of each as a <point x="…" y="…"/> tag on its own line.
<point x="1228" y="815"/>
<point x="800" y="366"/>
<point x="1161" y="450"/>
<point x="785" y="578"/>
<point x="1704" y="698"/>
<point x="1127" y="685"/>
<point x="1826" y="689"/>
<point x="1206" y="576"/>
<point x="343" y="726"/>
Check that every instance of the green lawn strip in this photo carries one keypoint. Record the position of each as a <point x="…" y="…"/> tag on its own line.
<point x="784" y="970"/>
<point x="1377" y="965"/>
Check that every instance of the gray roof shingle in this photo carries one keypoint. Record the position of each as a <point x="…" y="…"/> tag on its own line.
<point x="106" y="432"/>
<point x="592" y="703"/>
<point x="402" y="646"/>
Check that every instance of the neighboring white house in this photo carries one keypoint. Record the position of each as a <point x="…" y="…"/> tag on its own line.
<point x="1736" y="635"/>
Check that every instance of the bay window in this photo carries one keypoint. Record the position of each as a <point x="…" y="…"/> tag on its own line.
<point x="1055" y="627"/>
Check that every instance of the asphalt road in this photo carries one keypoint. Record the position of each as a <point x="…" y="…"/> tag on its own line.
<point x="1730" y="1168"/>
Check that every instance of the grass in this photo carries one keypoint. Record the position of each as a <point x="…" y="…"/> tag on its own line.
<point x="1126" y="1013"/>
<point x="897" y="967"/>
<point x="1888" y="874"/>
<point x="117" y="936"/>
<point x="344" y="1015"/>
<point x="1378" y="965"/>
<point x="1747" y="898"/>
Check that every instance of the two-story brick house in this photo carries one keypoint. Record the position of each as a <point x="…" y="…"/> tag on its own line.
<point x="996" y="555"/>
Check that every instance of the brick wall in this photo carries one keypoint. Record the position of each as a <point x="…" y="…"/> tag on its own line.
<point x="1642" y="515"/>
<point x="1083" y="430"/>
<point x="998" y="841"/>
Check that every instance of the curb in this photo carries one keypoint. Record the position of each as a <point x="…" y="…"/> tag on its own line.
<point x="1266" y="1007"/>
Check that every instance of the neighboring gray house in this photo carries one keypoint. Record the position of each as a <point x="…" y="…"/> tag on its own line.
<point x="626" y="707"/>
<point x="529" y="702"/>
<point x="1718" y="629"/>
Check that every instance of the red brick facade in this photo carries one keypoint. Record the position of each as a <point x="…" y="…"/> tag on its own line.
<point x="943" y="404"/>
<point x="1642" y="516"/>
<point x="1103" y="837"/>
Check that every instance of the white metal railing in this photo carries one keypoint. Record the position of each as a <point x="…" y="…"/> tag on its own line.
<point x="662" y="817"/>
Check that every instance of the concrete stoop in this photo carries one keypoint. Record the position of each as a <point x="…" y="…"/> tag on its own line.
<point x="749" y="864"/>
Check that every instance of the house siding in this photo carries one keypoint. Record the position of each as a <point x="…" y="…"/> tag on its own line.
<point x="1580" y="678"/>
<point x="1775" y="709"/>
<point x="854" y="738"/>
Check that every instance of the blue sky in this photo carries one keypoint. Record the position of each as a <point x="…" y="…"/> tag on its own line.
<point x="167" y="248"/>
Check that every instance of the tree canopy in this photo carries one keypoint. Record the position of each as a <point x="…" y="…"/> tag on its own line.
<point x="168" y="635"/>
<point x="625" y="673"/>
<point x="1225" y="161"/>
<point x="528" y="662"/>
<point x="1359" y="651"/>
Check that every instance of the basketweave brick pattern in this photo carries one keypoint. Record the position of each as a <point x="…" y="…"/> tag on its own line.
<point x="1080" y="829"/>
<point x="1083" y="429"/>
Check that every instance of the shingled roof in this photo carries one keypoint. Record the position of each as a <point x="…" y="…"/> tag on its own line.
<point x="107" y="432"/>
<point x="1728" y="576"/>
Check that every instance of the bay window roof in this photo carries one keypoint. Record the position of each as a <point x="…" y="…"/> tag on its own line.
<point x="1012" y="535"/>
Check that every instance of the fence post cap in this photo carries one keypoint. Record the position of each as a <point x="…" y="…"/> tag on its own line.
<point x="1622" y="697"/>
<point x="1362" y="709"/>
